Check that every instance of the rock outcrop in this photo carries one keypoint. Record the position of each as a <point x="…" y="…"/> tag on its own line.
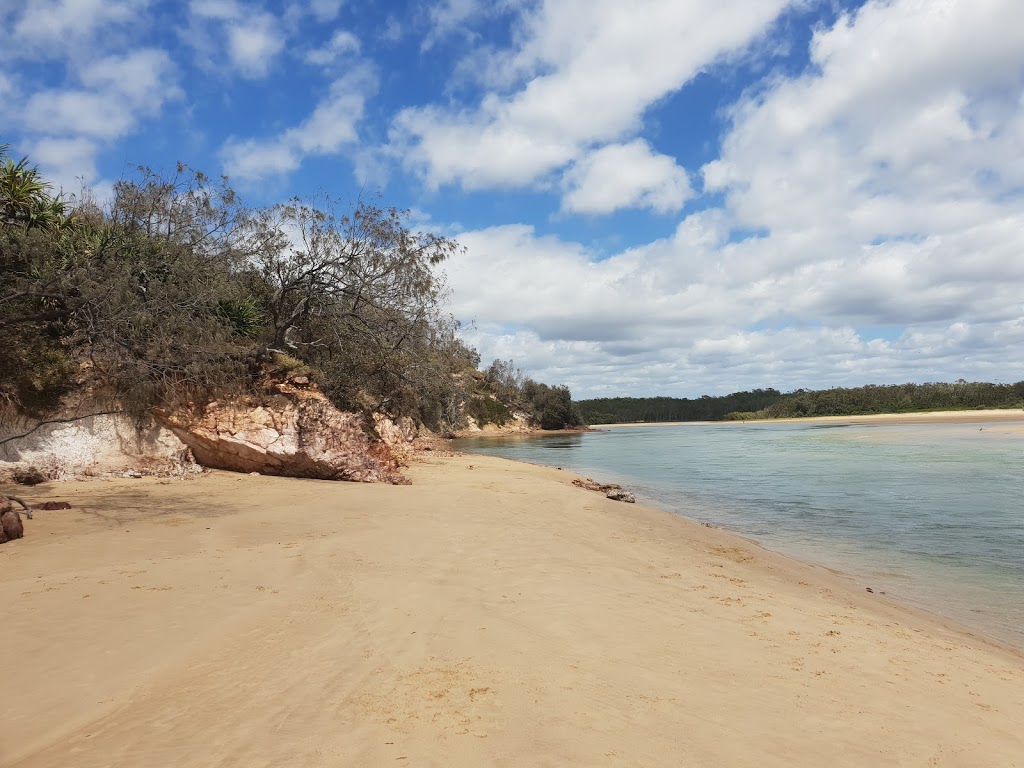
<point x="92" y="445"/>
<point x="11" y="526"/>
<point x="293" y="431"/>
<point x="613" y="491"/>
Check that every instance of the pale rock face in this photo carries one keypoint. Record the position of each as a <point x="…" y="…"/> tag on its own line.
<point x="95" y="445"/>
<point x="294" y="433"/>
<point x="399" y="436"/>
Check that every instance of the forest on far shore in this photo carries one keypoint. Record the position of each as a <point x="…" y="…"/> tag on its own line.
<point x="773" y="404"/>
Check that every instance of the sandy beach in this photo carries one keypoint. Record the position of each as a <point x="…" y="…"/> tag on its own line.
<point x="490" y="614"/>
<point x="987" y="416"/>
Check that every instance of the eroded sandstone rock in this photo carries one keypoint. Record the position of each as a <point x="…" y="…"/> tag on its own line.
<point x="295" y="432"/>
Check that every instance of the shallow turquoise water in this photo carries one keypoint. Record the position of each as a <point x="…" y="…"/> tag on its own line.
<point x="931" y="514"/>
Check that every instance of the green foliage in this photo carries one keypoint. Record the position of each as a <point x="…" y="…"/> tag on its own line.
<point x="25" y="200"/>
<point x="488" y="410"/>
<point x="613" y="410"/>
<point x="772" y="404"/>
<point x="291" y="365"/>
<point x="897" y="398"/>
<point x="548" y="407"/>
<point x="244" y="315"/>
<point x="178" y="293"/>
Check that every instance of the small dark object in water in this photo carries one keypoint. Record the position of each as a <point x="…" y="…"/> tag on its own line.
<point x="869" y="589"/>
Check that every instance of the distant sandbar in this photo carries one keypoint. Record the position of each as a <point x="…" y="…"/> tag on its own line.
<point x="987" y="416"/>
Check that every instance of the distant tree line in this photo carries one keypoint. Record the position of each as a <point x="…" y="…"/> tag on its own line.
<point x="897" y="398"/>
<point x="612" y="410"/>
<point x="175" y="292"/>
<point x="839" y="401"/>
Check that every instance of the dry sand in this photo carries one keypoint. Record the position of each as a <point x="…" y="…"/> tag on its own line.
<point x="484" y="616"/>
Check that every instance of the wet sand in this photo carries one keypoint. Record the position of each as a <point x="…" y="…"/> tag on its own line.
<point x="491" y="614"/>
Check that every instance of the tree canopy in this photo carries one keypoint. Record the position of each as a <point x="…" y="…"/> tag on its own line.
<point x="176" y="292"/>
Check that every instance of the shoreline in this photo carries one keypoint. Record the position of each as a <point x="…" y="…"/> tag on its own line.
<point x="947" y="613"/>
<point x="490" y="610"/>
<point x="523" y="433"/>
<point x="849" y="579"/>
<point x="989" y="415"/>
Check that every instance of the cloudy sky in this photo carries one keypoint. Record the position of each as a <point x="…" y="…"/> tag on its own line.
<point x="677" y="197"/>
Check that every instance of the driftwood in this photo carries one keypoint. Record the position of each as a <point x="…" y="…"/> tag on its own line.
<point x="5" y="505"/>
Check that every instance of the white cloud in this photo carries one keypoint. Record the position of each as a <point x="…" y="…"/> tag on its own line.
<point x="341" y="44"/>
<point x="325" y="10"/>
<point x="254" y="43"/>
<point x="118" y="91"/>
<point x="68" y="163"/>
<point x="451" y="17"/>
<point x="884" y="188"/>
<point x="585" y="72"/>
<point x="252" y="38"/>
<point x="68" y="127"/>
<point x="50" y="28"/>
<point x="331" y="126"/>
<point x="221" y="10"/>
<point x="626" y="176"/>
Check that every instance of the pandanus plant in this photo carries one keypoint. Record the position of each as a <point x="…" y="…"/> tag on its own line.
<point x="25" y="199"/>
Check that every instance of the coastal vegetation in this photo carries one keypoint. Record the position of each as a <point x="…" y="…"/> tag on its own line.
<point x="175" y="292"/>
<point x="503" y="390"/>
<point x="838" y="401"/>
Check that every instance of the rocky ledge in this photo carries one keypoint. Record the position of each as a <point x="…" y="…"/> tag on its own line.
<point x="293" y="431"/>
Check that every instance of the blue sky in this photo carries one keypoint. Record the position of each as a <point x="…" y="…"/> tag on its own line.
<point x="657" y="197"/>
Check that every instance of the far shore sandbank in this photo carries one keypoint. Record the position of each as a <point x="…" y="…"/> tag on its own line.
<point x="991" y="415"/>
<point x="489" y="614"/>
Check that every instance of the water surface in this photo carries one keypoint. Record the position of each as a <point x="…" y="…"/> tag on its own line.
<point x="929" y="513"/>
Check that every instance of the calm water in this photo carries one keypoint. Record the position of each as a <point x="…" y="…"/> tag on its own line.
<point x="930" y="514"/>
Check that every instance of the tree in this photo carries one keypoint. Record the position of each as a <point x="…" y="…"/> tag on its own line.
<point x="356" y="295"/>
<point x="24" y="196"/>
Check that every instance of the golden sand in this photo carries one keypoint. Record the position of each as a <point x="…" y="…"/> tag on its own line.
<point x="488" y="615"/>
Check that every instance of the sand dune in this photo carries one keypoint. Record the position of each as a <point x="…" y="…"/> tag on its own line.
<point x="493" y="616"/>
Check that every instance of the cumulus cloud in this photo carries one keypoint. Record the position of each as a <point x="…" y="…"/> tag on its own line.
<point x="113" y="96"/>
<point x="66" y="161"/>
<point x="331" y="126"/>
<point x="626" y="176"/>
<point x="252" y="38"/>
<point x="53" y="28"/>
<point x="115" y="93"/>
<point x="583" y="73"/>
<point x="341" y="44"/>
<point x="871" y="231"/>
